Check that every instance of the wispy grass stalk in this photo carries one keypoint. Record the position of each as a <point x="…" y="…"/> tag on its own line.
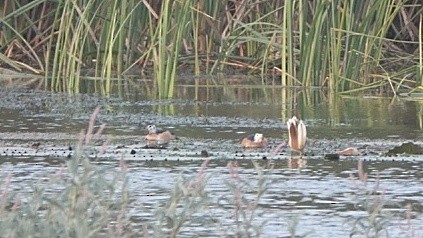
<point x="81" y="200"/>
<point x="376" y="220"/>
<point x="244" y="204"/>
<point x="187" y="197"/>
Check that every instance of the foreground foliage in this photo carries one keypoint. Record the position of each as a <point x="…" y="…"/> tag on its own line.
<point x="80" y="200"/>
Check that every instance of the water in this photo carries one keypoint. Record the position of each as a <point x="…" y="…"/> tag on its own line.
<point x="319" y="195"/>
<point x="313" y="196"/>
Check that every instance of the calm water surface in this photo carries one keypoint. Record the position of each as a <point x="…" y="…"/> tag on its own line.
<point x="314" y="196"/>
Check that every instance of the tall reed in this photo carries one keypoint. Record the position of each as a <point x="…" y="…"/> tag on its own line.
<point x="420" y="66"/>
<point x="356" y="45"/>
<point x="14" y="25"/>
<point x="167" y="40"/>
<point x="88" y="31"/>
<point x="340" y="44"/>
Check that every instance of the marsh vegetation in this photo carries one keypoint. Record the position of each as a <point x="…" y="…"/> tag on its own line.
<point x="346" y="46"/>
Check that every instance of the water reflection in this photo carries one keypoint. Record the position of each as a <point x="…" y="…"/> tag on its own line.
<point x="228" y="105"/>
<point x="296" y="162"/>
<point x="359" y="114"/>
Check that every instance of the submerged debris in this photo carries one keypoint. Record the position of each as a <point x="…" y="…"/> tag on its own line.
<point x="36" y="145"/>
<point x="405" y="148"/>
<point x="204" y="153"/>
<point x="351" y="151"/>
<point x="156" y="145"/>
<point x="331" y="156"/>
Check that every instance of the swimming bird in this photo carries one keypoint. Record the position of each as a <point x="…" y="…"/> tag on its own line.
<point x="155" y="134"/>
<point x="297" y="134"/>
<point x="256" y="140"/>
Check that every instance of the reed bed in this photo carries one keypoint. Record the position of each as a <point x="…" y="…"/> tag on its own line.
<point x="346" y="46"/>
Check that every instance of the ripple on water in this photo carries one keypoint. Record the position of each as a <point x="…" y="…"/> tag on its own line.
<point x="320" y="197"/>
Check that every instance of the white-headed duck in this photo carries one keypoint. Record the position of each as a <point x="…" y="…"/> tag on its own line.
<point x="155" y="134"/>
<point x="256" y="140"/>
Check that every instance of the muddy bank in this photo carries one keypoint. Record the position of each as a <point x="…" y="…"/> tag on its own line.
<point x="134" y="148"/>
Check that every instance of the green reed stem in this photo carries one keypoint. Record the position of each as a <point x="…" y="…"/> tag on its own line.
<point x="308" y="43"/>
<point x="169" y="40"/>
<point x="420" y="66"/>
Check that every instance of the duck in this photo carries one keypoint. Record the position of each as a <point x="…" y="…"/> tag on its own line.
<point x="155" y="134"/>
<point x="297" y="134"/>
<point x="256" y="140"/>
